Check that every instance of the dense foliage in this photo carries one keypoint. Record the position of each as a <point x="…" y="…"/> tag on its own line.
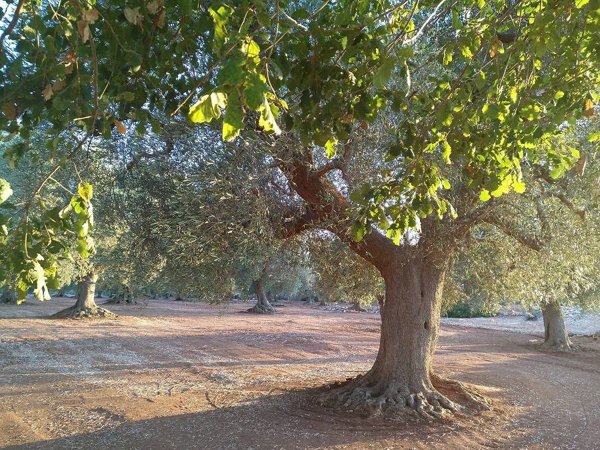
<point x="473" y="89"/>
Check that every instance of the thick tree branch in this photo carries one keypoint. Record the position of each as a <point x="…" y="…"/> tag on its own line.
<point x="328" y="209"/>
<point x="296" y="226"/>
<point x="532" y="242"/>
<point x="331" y="165"/>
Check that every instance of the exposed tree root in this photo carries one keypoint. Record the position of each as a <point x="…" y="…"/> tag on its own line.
<point x="262" y="309"/>
<point x="559" y="347"/>
<point x="75" y="312"/>
<point x="394" y="402"/>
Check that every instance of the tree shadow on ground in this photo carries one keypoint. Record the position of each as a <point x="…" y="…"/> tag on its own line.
<point x="291" y="420"/>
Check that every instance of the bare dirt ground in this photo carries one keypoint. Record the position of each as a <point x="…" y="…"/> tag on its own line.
<point x="173" y="375"/>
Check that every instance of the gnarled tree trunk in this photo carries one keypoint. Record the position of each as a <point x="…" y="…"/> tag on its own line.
<point x="556" y="336"/>
<point x="85" y="305"/>
<point x="262" y="302"/>
<point x="399" y="380"/>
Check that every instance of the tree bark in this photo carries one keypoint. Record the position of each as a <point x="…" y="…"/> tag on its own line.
<point x="399" y="380"/>
<point x="556" y="336"/>
<point x="86" y="304"/>
<point x="262" y="305"/>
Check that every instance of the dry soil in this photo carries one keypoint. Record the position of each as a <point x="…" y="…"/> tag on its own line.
<point x="175" y="375"/>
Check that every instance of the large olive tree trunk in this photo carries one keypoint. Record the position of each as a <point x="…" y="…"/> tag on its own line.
<point x="262" y="306"/>
<point x="400" y="380"/>
<point x="86" y="304"/>
<point x="555" y="332"/>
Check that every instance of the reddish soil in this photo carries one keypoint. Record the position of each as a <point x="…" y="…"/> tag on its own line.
<point x="173" y="375"/>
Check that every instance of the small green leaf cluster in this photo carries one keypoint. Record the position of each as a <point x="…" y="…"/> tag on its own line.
<point x="34" y="244"/>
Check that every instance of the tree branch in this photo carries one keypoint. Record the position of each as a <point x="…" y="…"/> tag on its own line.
<point x="566" y="201"/>
<point x="11" y="25"/>
<point x="532" y="242"/>
<point x="331" y="165"/>
<point x="296" y="226"/>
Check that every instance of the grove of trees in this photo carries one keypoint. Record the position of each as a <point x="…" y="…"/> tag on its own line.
<point x="361" y="150"/>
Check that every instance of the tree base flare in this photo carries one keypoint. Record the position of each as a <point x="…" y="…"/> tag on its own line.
<point x="84" y="313"/>
<point x="396" y="402"/>
<point x="356" y="397"/>
<point x="261" y="309"/>
<point x="559" y="346"/>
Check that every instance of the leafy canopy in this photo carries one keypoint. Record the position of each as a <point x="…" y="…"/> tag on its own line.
<point x="484" y="84"/>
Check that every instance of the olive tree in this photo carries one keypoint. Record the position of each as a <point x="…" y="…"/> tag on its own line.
<point x="481" y="86"/>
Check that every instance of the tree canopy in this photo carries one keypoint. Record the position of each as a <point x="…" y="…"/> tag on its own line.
<point x="480" y="85"/>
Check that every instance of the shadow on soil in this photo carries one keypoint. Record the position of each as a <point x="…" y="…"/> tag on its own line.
<point x="290" y="420"/>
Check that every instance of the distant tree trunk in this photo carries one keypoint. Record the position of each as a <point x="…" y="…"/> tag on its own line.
<point x="262" y="302"/>
<point x="555" y="332"/>
<point x="85" y="305"/>
<point x="124" y="295"/>
<point x="381" y="302"/>
<point x="357" y="307"/>
<point x="8" y="296"/>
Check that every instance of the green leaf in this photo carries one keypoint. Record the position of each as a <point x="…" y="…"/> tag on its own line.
<point x="484" y="196"/>
<point x="359" y="230"/>
<point x="444" y="115"/>
<point x="513" y="94"/>
<point x="465" y="50"/>
<point x="233" y="121"/>
<point x="594" y="137"/>
<point x="233" y="71"/>
<point x="447" y="58"/>
<point x="85" y="190"/>
<point x="446" y="152"/>
<point x="208" y="107"/>
<point x="384" y="72"/>
<point x="330" y="147"/>
<point x="456" y="22"/>
<point x="518" y="186"/>
<point x="78" y="205"/>
<point x="250" y="49"/>
<point x="267" y="118"/>
<point x="255" y="90"/>
<point x="5" y="190"/>
<point x="581" y="3"/>
<point x="220" y="18"/>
